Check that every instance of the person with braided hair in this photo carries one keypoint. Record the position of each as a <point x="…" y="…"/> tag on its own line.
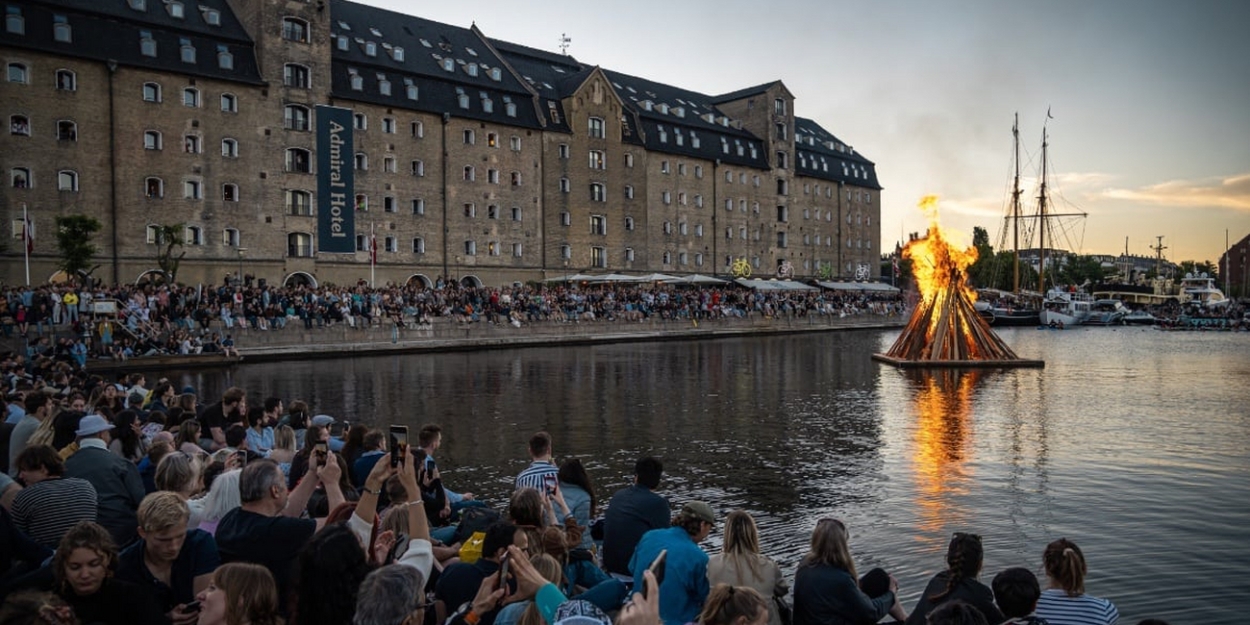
<point x="1064" y="601"/>
<point x="958" y="582"/>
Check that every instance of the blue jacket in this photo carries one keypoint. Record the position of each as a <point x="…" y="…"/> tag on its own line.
<point x="685" y="584"/>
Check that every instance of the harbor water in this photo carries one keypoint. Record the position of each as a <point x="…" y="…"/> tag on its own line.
<point x="1132" y="442"/>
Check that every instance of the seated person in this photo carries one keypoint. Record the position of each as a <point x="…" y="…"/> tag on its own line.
<point x="173" y="562"/>
<point x="1016" y="591"/>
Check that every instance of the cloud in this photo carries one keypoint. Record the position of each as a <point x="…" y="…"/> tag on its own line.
<point x="1231" y="192"/>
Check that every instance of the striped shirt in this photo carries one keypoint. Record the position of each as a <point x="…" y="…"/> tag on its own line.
<point x="45" y="511"/>
<point x="1059" y="609"/>
<point x="539" y="476"/>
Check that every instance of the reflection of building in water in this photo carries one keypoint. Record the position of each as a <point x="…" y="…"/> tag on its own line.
<point x="943" y="402"/>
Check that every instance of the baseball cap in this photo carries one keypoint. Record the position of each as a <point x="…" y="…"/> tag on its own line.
<point x="699" y="510"/>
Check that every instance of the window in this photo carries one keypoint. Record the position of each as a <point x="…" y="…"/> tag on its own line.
<point x="516" y="213"/>
<point x="779" y="106"/>
<point x="492" y="248"/>
<point x="668" y="227"/>
<point x="296" y="117"/>
<point x="388" y="164"/>
<point x="492" y="139"/>
<point x="151" y="92"/>
<point x="360" y="121"/>
<point x="294" y="29"/>
<point x="566" y="252"/>
<point x="296" y="76"/>
<point x="783" y="214"/>
<point x="418" y="168"/>
<point x="230" y="237"/>
<point x="681" y="258"/>
<point x="191" y="144"/>
<point x="681" y="169"/>
<point x="666" y="197"/>
<point x="154" y="188"/>
<point x="783" y="187"/>
<point x="781" y="239"/>
<point x="212" y="17"/>
<point x="362" y="202"/>
<point x="192" y="190"/>
<point x="598" y="257"/>
<point x="698" y="230"/>
<point x="470" y="210"/>
<point x="515" y="144"/>
<point x="629" y="223"/>
<point x="629" y="254"/>
<point x="668" y="258"/>
<point x="492" y="176"/>
<point x="19" y="125"/>
<point x="629" y="191"/>
<point x="698" y="260"/>
<point x="410" y="90"/>
<point x="66" y="130"/>
<point x="229" y="103"/>
<point x="391" y="244"/>
<point x="516" y="178"/>
<point x="598" y="193"/>
<point x="516" y="250"/>
<point x="18" y="73"/>
<point x="147" y="44"/>
<point x="298" y="160"/>
<point x="225" y="60"/>
<point x="598" y="225"/>
<point x="664" y="169"/>
<point x="418" y="206"/>
<point x="564" y="185"/>
<point x="470" y="248"/>
<point x="698" y="171"/>
<point x="629" y="159"/>
<point x="418" y="245"/>
<point x="229" y="148"/>
<point x="371" y="48"/>
<point x="492" y="212"/>
<point x="781" y="131"/>
<point x="418" y="130"/>
<point x="388" y="125"/>
<point x="20" y="178"/>
<point x="357" y="81"/>
<point x="683" y="229"/>
<point x="299" y="245"/>
<point x="191" y="97"/>
<point x="175" y="9"/>
<point x="681" y="198"/>
<point x="230" y="192"/>
<point x="384" y="84"/>
<point x="13" y="21"/>
<point x="597" y="160"/>
<point x="193" y="235"/>
<point x="596" y="128"/>
<point x="66" y="80"/>
<point x="470" y="174"/>
<point x="154" y="234"/>
<point x="782" y="160"/>
<point x="362" y="161"/>
<point x="564" y="150"/>
<point x="468" y="136"/>
<point x="186" y="50"/>
<point x="152" y="140"/>
<point x="566" y="219"/>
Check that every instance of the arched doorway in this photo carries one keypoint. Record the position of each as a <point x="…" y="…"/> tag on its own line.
<point x="298" y="279"/>
<point x="471" y="282"/>
<point x="153" y="277"/>
<point x="419" y="280"/>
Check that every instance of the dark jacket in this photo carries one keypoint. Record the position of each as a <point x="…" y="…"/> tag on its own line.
<point x="827" y="595"/>
<point x="969" y="591"/>
<point x="632" y="512"/>
<point x="118" y="488"/>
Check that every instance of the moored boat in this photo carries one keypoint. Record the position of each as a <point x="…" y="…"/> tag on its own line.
<point x="1140" y="318"/>
<point x="1106" y="312"/>
<point x="1066" y="309"/>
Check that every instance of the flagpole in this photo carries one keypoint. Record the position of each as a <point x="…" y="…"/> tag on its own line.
<point x="373" y="254"/>
<point x="27" y="241"/>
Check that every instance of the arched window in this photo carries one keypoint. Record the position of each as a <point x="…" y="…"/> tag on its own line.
<point x="299" y="203"/>
<point x="151" y="92"/>
<point x="18" y="73"/>
<point x="67" y="180"/>
<point x="298" y="160"/>
<point x="19" y="125"/>
<point x="154" y="188"/>
<point x="14" y="22"/>
<point x="20" y="178"/>
<point x="229" y="103"/>
<point x="295" y="75"/>
<point x="295" y="29"/>
<point x="193" y="190"/>
<point x="297" y="117"/>
<point x="66" y="80"/>
<point x="362" y="161"/>
<point x="191" y="97"/>
<point x="152" y="140"/>
<point x="229" y="148"/>
<point x="230" y="237"/>
<point x="194" y="235"/>
<point x="191" y="144"/>
<point x="230" y="192"/>
<point x="299" y="245"/>
<point x="66" y="130"/>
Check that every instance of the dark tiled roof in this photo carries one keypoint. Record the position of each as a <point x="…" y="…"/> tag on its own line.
<point x="551" y="76"/>
<point x="742" y="93"/>
<point x="820" y="154"/>
<point x="103" y="31"/>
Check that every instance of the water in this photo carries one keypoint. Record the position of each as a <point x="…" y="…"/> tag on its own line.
<point x="1133" y="443"/>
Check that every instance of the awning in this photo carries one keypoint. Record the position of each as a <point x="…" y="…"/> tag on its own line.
<point x="700" y="279"/>
<point x="612" y="277"/>
<point x="657" y="277"/>
<point x="877" y="287"/>
<point x="775" y="285"/>
<point x="573" y="277"/>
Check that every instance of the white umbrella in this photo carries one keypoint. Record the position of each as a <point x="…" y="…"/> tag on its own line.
<point x="573" y="277"/>
<point x="658" y="277"/>
<point x="702" y="279"/>
<point x="612" y="277"/>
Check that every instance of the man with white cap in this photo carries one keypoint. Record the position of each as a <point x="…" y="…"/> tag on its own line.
<point x="119" y="489"/>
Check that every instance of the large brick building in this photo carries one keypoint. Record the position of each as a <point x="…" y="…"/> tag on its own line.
<point x="472" y="157"/>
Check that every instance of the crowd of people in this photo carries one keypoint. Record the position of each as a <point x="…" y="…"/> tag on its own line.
<point x="159" y="319"/>
<point x="128" y="505"/>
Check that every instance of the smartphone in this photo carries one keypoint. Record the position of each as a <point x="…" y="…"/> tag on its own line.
<point x="242" y="458"/>
<point x="337" y="428"/>
<point x="194" y="606"/>
<point x="399" y="444"/>
<point x="657" y="569"/>
<point x="550" y="482"/>
<point x="321" y="451"/>
<point x="503" y="571"/>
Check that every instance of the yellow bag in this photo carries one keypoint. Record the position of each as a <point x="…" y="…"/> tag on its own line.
<point x="471" y="550"/>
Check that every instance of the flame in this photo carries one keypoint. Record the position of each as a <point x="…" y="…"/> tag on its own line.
<point x="937" y="263"/>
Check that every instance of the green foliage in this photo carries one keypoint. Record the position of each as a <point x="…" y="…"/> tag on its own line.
<point x="169" y="237"/>
<point x="1199" y="268"/>
<point x="73" y="241"/>
<point x="1079" y="270"/>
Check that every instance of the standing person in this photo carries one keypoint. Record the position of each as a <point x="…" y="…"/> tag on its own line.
<point x="825" y="587"/>
<point x="118" y="487"/>
<point x="50" y="504"/>
<point x="174" y="563"/>
<point x="579" y="494"/>
<point x="632" y="512"/>
<point x="742" y="564"/>
<point x="958" y="582"/>
<point x="82" y="569"/>
<point x="38" y="406"/>
<point x="685" y="585"/>
<point x="216" y="418"/>
<point x="1064" y="601"/>
<point x="542" y="474"/>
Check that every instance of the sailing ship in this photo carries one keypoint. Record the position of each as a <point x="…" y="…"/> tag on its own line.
<point x="1018" y="312"/>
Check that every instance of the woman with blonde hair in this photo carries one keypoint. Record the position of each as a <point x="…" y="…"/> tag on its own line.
<point x="182" y="474"/>
<point x="240" y="594"/>
<point x="734" y="605"/>
<point x="223" y="496"/>
<point x="283" y="448"/>
<point x="825" y="588"/>
<point x="526" y="612"/>
<point x="741" y="564"/>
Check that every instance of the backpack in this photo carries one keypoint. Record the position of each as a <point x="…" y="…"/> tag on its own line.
<point x="474" y="520"/>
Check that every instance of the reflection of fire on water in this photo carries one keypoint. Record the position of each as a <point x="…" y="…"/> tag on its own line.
<point x="943" y="433"/>
<point x="945" y="329"/>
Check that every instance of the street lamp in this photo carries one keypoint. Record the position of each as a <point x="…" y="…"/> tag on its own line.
<point x="240" y="250"/>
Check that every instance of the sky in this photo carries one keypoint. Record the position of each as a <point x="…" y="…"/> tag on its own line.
<point x="1149" y="100"/>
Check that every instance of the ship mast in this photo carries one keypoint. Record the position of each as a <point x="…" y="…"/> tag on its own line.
<point x="1015" y="207"/>
<point x="1041" y="267"/>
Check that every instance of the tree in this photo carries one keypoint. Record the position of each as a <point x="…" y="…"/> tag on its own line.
<point x="1080" y="269"/>
<point x="73" y="240"/>
<point x="1199" y="267"/>
<point x="169" y="237"/>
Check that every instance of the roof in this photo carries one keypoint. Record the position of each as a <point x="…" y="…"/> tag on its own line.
<point x="742" y="93"/>
<point x="818" y="153"/>
<point x="112" y="31"/>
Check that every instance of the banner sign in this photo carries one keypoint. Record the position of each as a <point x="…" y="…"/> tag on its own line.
<point x="336" y="206"/>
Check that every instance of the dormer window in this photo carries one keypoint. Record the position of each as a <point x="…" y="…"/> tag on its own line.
<point x="510" y="109"/>
<point x="14" y="22"/>
<point x="470" y="69"/>
<point x="357" y="81"/>
<point x="186" y="50"/>
<point x="397" y="53"/>
<point x="147" y="45"/>
<point x="488" y="105"/>
<point x="371" y="48"/>
<point x="496" y="74"/>
<point x="225" y="60"/>
<point x="411" y="89"/>
<point x="342" y="42"/>
<point x="384" y="85"/>
<point x="663" y="109"/>
<point x="175" y="9"/>
<point x="61" y="30"/>
<point x="212" y="17"/>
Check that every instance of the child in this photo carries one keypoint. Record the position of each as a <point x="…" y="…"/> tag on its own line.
<point x="1016" y="592"/>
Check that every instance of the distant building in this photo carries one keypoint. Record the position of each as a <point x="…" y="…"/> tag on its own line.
<point x="1235" y="264"/>
<point x="462" y="155"/>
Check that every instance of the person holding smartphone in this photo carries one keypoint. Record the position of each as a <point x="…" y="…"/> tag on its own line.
<point x="682" y="572"/>
<point x="174" y="563"/>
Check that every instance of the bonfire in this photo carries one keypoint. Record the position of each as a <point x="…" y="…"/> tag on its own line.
<point x="945" y="329"/>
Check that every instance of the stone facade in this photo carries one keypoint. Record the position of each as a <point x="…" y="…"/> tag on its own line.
<point x="474" y="158"/>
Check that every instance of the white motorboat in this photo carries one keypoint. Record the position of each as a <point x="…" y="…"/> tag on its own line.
<point x="1200" y="290"/>
<point x="1106" y="312"/>
<point x="1140" y="318"/>
<point x="1065" y="309"/>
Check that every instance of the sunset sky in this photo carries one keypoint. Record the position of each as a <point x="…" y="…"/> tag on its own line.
<point x="1150" y="99"/>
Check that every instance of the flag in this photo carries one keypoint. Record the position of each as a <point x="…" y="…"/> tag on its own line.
<point x="373" y="246"/>
<point x="28" y="234"/>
